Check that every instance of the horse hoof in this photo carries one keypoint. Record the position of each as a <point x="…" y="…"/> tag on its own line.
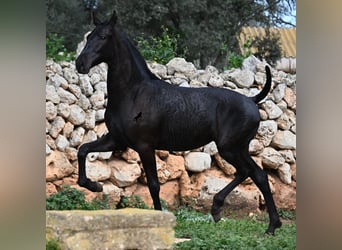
<point x="271" y="229"/>
<point x="216" y="216"/>
<point x="91" y="185"/>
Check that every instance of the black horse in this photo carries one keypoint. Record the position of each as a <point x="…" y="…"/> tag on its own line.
<point x="145" y="113"/>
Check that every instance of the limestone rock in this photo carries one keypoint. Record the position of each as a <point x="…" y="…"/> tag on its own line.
<point x="57" y="166"/>
<point x="67" y="130"/>
<point x="101" y="87"/>
<point x="158" y="69"/>
<point x="85" y="85"/>
<point x="239" y="198"/>
<point x="181" y="66"/>
<point x="99" y="115"/>
<point x="83" y="102"/>
<point x="284" y="122"/>
<point x="66" y="96"/>
<point x="98" y="171"/>
<point x="70" y="75"/>
<point x="124" y="174"/>
<point x="131" y="156"/>
<point x="272" y="158"/>
<point x="242" y="78"/>
<point x="197" y="161"/>
<point x="162" y="154"/>
<point x="76" y="136"/>
<point x="255" y="147"/>
<point x="50" y="189"/>
<point x="279" y="92"/>
<point x="47" y="149"/>
<point x="175" y="165"/>
<point x="50" y="111"/>
<point x="51" y="94"/>
<point x="77" y="115"/>
<point x="284" y="140"/>
<point x="128" y="228"/>
<point x="56" y="126"/>
<point x="63" y="110"/>
<point x="75" y="90"/>
<point x="97" y="100"/>
<point x="114" y="193"/>
<point x="104" y="155"/>
<point x="272" y="109"/>
<point x="62" y="142"/>
<point x="210" y="148"/>
<point x="288" y="156"/>
<point x="57" y="81"/>
<point x="226" y="167"/>
<point x="266" y="132"/>
<point x="90" y="120"/>
<point x="284" y="172"/>
<point x="290" y="98"/>
<point x="250" y="63"/>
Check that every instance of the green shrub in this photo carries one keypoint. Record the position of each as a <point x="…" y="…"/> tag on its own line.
<point x="52" y="245"/>
<point x="133" y="201"/>
<point x="159" y="49"/>
<point x="235" y="60"/>
<point x="55" y="49"/>
<point x="70" y="198"/>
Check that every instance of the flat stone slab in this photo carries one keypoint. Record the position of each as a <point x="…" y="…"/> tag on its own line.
<point x="128" y="228"/>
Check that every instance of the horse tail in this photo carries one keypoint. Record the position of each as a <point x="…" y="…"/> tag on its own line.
<point x="263" y="93"/>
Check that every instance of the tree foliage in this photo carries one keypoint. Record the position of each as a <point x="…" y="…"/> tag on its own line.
<point x="203" y="27"/>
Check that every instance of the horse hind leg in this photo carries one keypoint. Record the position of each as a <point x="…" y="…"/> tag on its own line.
<point x="260" y="178"/>
<point x="103" y="144"/>
<point x="240" y="176"/>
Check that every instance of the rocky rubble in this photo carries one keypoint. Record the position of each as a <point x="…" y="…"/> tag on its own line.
<point x="75" y="106"/>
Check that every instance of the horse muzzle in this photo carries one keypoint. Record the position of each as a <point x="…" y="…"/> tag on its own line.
<point x="82" y="66"/>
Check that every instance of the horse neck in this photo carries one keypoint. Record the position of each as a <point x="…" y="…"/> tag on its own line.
<point x="123" y="72"/>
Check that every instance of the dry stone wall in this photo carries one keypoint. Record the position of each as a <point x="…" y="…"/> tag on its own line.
<point x="75" y="106"/>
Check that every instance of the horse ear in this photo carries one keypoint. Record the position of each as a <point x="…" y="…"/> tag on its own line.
<point x="96" y="21"/>
<point x="114" y="18"/>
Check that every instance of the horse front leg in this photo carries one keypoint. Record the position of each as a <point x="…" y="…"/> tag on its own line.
<point x="103" y="144"/>
<point x="148" y="161"/>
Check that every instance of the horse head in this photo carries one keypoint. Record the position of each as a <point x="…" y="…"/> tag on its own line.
<point x="99" y="46"/>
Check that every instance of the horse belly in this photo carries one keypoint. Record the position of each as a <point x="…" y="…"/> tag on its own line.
<point x="181" y="137"/>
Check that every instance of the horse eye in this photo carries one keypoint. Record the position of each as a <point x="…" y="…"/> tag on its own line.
<point x="102" y="37"/>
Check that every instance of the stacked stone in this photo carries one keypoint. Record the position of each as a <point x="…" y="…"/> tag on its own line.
<point x="75" y="106"/>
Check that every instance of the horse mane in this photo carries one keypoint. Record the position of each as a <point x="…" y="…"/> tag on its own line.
<point x="138" y="59"/>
